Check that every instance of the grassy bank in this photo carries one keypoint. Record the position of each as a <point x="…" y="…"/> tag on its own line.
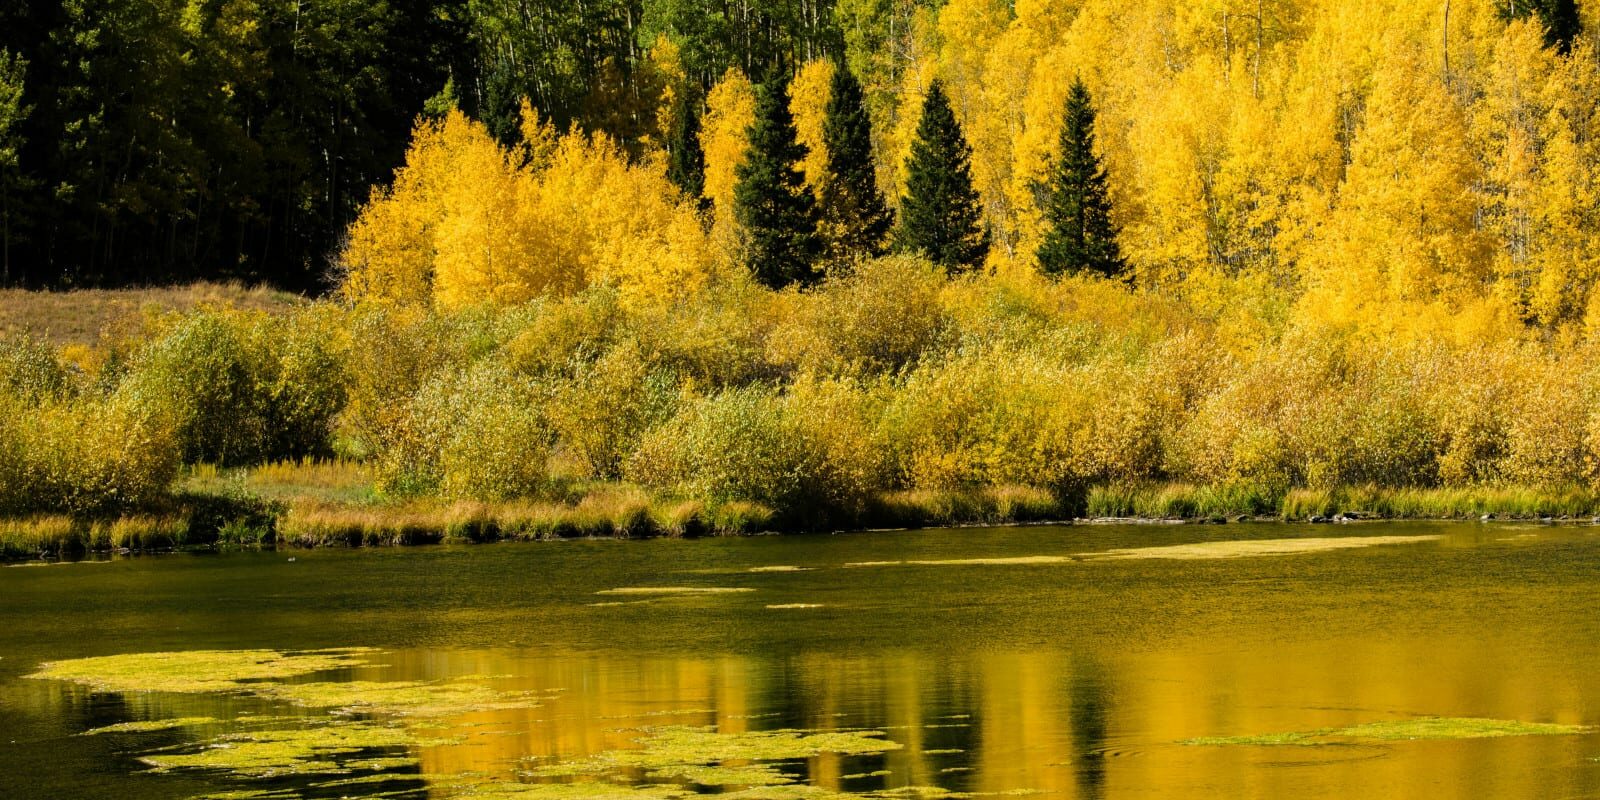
<point x="322" y="503"/>
<point x="1188" y="502"/>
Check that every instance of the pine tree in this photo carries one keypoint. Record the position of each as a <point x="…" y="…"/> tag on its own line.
<point x="774" y="207"/>
<point x="1080" y="237"/>
<point x="1559" y="17"/>
<point x="856" y="219"/>
<point x="940" y="215"/>
<point x="1561" y="23"/>
<point x="686" y="162"/>
<point x="12" y="114"/>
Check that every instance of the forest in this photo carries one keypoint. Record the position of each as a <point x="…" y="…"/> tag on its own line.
<point x="680" y="266"/>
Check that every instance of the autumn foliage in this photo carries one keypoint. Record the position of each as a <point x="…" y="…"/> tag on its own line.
<point x="1360" y="247"/>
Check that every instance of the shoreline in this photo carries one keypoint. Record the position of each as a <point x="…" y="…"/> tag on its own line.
<point x="66" y="552"/>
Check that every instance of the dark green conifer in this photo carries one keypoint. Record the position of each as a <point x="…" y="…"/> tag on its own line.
<point x="940" y="215"/>
<point x="686" y="162"/>
<point x="1077" y="212"/>
<point x="856" y="219"/>
<point x="1559" y="17"/>
<point x="1561" y="23"/>
<point x="774" y="207"/>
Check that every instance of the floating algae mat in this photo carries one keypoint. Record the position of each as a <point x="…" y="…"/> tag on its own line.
<point x="367" y="736"/>
<point x="399" y="698"/>
<point x="1402" y="730"/>
<point x="972" y="562"/>
<point x="679" y="750"/>
<point x="1202" y="551"/>
<point x="646" y="591"/>
<point x="321" y="750"/>
<point x="153" y="725"/>
<point x="196" y="672"/>
<point x="1199" y="551"/>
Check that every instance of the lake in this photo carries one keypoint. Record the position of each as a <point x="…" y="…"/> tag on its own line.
<point x="1104" y="661"/>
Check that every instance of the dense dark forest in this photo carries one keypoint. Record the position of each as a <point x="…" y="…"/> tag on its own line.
<point x="150" y="141"/>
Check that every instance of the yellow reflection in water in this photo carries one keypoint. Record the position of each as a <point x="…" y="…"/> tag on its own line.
<point x="1069" y="724"/>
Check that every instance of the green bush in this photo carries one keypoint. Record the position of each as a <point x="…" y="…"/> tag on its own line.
<point x="31" y="372"/>
<point x="475" y="434"/>
<point x="89" y="457"/>
<point x="880" y="317"/>
<point x="739" y="445"/>
<point x="244" y="388"/>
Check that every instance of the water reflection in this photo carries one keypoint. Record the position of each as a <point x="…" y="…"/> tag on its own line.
<point x="1080" y="679"/>
<point x="1072" y="725"/>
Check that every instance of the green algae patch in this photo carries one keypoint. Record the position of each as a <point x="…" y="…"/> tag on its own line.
<point x="688" y="745"/>
<point x="1203" y="551"/>
<point x="153" y="725"/>
<point x="319" y="750"/>
<point x="755" y="775"/>
<point x="196" y="671"/>
<point x="708" y="757"/>
<point x="793" y="791"/>
<point x="972" y="562"/>
<point x="399" y="698"/>
<point x="505" y="790"/>
<point x="646" y="591"/>
<point x="1424" y="728"/>
<point x="252" y="794"/>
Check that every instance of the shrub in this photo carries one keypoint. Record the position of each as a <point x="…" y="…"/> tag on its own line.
<point x="880" y="317"/>
<point x="992" y="416"/>
<point x="91" y="457"/>
<point x="599" y="413"/>
<point x="739" y="445"/>
<point x="243" y="388"/>
<point x="31" y="373"/>
<point x="474" y="434"/>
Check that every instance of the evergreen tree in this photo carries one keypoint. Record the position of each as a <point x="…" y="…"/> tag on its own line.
<point x="1081" y="237"/>
<point x="1561" y="23"/>
<point x="771" y="200"/>
<point x="1559" y="17"/>
<point x="940" y="215"/>
<point x="686" y="162"/>
<point x="12" y="114"/>
<point x="856" y="219"/>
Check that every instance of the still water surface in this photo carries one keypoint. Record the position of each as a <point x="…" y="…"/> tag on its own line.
<point x="1022" y="665"/>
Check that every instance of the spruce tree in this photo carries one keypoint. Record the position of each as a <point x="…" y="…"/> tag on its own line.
<point x="940" y="215"/>
<point x="771" y="201"/>
<point x="686" y="162"/>
<point x="856" y="219"/>
<point x="1559" y="17"/>
<point x="1080" y="236"/>
<point x="1561" y="23"/>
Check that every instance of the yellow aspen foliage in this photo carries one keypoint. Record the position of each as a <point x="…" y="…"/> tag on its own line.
<point x="666" y="60"/>
<point x="920" y="68"/>
<point x="1404" y="227"/>
<point x="808" y="102"/>
<point x="470" y="222"/>
<point x="730" y="111"/>
<point x="985" y="72"/>
<point x="450" y="227"/>
<point x="1179" y="148"/>
<point x="609" y="222"/>
<point x="1533" y="125"/>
